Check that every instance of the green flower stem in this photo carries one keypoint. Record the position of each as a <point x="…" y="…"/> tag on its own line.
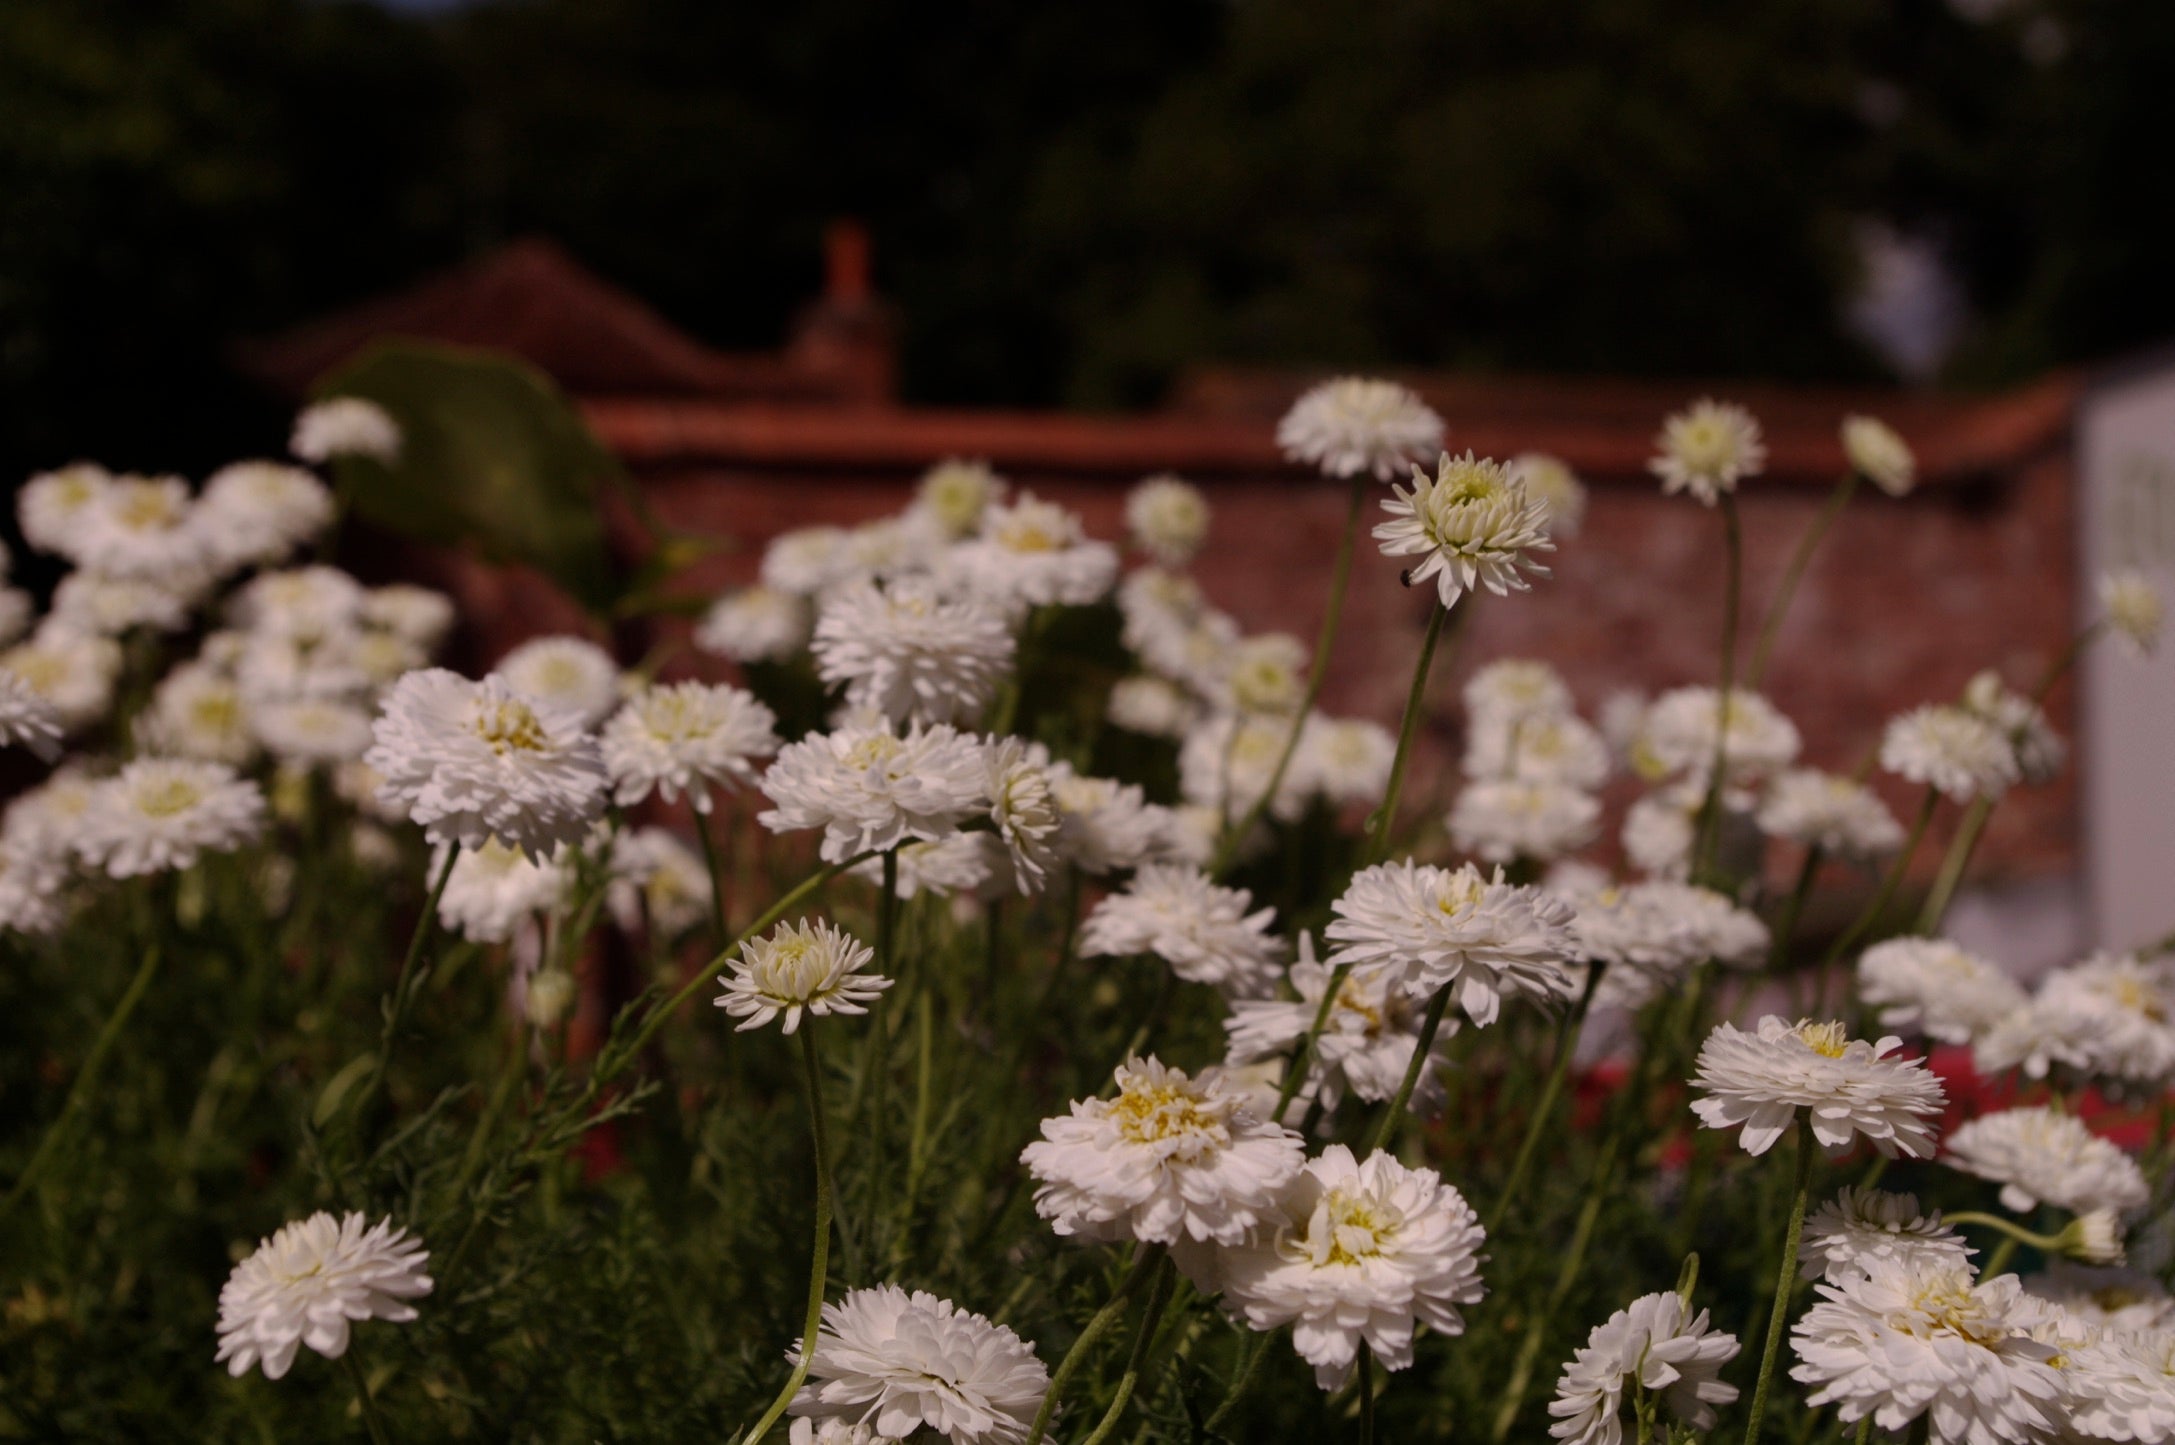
<point x="1366" y="1394"/>
<point x="1339" y="579"/>
<point x="1378" y="839"/>
<point x="1295" y="1072"/>
<point x="1574" y="1260"/>
<point x="79" y="1093"/>
<point x="373" y="1422"/>
<point x="1253" y="1352"/>
<point x="718" y="935"/>
<point x="1999" y="1259"/>
<point x="2012" y="1233"/>
<point x="1786" y="591"/>
<point x="1386" y="1126"/>
<point x="1883" y="897"/>
<point x="1960" y="849"/>
<point x="1865" y="1430"/>
<point x="404" y="985"/>
<point x="1145" y="1258"/>
<point x="1710" y="810"/>
<point x="1566" y="1046"/>
<point x="819" y="1266"/>
<point x="1778" y="1319"/>
<point x="1159" y="1295"/>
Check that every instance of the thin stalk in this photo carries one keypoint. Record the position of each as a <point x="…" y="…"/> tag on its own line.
<point x="1574" y="1260"/>
<point x="819" y="1266"/>
<point x="1159" y="1295"/>
<point x="1339" y="578"/>
<point x="2012" y="1234"/>
<point x="1366" y="1394"/>
<point x="1254" y="1351"/>
<point x="718" y="934"/>
<point x="1786" y="590"/>
<point x="1378" y="839"/>
<point x="1098" y="1325"/>
<point x="1710" y="810"/>
<point x="1865" y="1430"/>
<point x="1999" y="1259"/>
<point x="1566" y="1045"/>
<point x="1888" y="888"/>
<point x="79" y="1093"/>
<point x="1423" y="1049"/>
<point x="373" y="1422"/>
<point x="1778" y="1319"/>
<point x="1958" y="858"/>
<point x="403" y="986"/>
<point x="1295" y="1072"/>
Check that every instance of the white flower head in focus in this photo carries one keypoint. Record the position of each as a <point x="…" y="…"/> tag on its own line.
<point x="1023" y="808"/>
<point x="805" y="967"/>
<point x="1204" y="932"/>
<point x="310" y="1283"/>
<point x="1950" y="749"/>
<point x="476" y="760"/>
<point x="1167" y="518"/>
<point x="686" y="738"/>
<point x="1840" y="816"/>
<point x="1354" y="427"/>
<point x="2039" y="1155"/>
<point x="574" y="676"/>
<point x="1654" y="1344"/>
<point x="1169" y="1159"/>
<point x="1707" y="449"/>
<point x="1372" y="1248"/>
<point x="1471" y="523"/>
<point x="1500" y="821"/>
<point x="869" y="789"/>
<point x="1845" y="1086"/>
<point x="345" y="426"/>
<point x="1552" y="483"/>
<point x="2122" y="1386"/>
<point x="954" y="494"/>
<point x="1904" y="1338"/>
<point x="1949" y="994"/>
<point x="162" y="814"/>
<point x="1366" y="1041"/>
<point x="1859" y="1225"/>
<point x="2133" y="607"/>
<point x="889" y="1364"/>
<point x="912" y="652"/>
<point x="1878" y="454"/>
<point x="1463" y="929"/>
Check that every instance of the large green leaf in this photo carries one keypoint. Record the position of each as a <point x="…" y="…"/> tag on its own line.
<point x="493" y="457"/>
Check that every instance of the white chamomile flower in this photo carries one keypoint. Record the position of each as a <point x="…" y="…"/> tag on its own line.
<point x="1227" y="760"/>
<point x="345" y="426"/>
<point x="2122" y="1301"/>
<point x="1654" y="1345"/>
<point x="1949" y="994"/>
<point x="2133" y="607"/>
<point x="870" y="790"/>
<point x="1204" y="932"/>
<point x="964" y="863"/>
<point x="73" y="673"/>
<point x="1032" y="553"/>
<point x="1167" y="518"/>
<point x="1354" y="426"/>
<point x="1859" y="1225"/>
<point x="1471" y="523"/>
<point x="1023" y="808"/>
<point x="52" y="506"/>
<point x="27" y="719"/>
<point x="2040" y="1155"/>
<point x="1707" y="449"/>
<point x="101" y="606"/>
<point x="806" y="967"/>
<point x="1846" y="1087"/>
<point x="1660" y="829"/>
<point x="418" y="615"/>
<point x="1678" y="737"/>
<point x="1538" y="748"/>
<point x="1905" y="1338"/>
<point x="310" y="603"/>
<point x="2110" y="1016"/>
<point x="1266" y="674"/>
<point x="1719" y="928"/>
<point x="1501" y="821"/>
<point x="1950" y="749"/>
<point x="476" y="760"/>
<point x="755" y="624"/>
<point x="1840" y="816"/>
<point x="912" y="652"/>
<point x="1436" y="928"/>
<point x="686" y="738"/>
<point x="1514" y="689"/>
<point x="258" y="513"/>
<point x="494" y="889"/>
<point x="577" y="677"/>
<point x="954" y="494"/>
<point x="1366" y="1040"/>
<point x="1152" y="707"/>
<point x="1104" y="825"/>
<point x="2122" y="1386"/>
<point x="891" y="1364"/>
<point x="310" y="731"/>
<point x="1878" y="454"/>
<point x="162" y="814"/>
<point x="142" y="527"/>
<point x="1552" y="483"/>
<point x="1346" y="760"/>
<point x="806" y="561"/>
<point x="1371" y="1249"/>
<point x="1168" y="1159"/>
<point x="2040" y="751"/>
<point x="657" y="879"/>
<point x="32" y="883"/>
<point x="310" y="1283"/>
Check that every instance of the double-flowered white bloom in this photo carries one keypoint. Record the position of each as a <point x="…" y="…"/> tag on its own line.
<point x="1500" y="820"/>
<point x="344" y="426"/>
<point x="658" y="880"/>
<point x="1950" y="749"/>
<point x="477" y="760"/>
<point x="2040" y="1155"/>
<point x="1678" y="740"/>
<point x="1860" y="1225"/>
<point x="573" y="675"/>
<point x="755" y="624"/>
<point x="1366" y="1040"/>
<point x="494" y="889"/>
<point x="1227" y="760"/>
<point x="1204" y="932"/>
<point x="1367" y="1250"/>
<point x="1556" y="747"/>
<point x="162" y="814"/>
<point x="2122" y="1386"/>
<point x="954" y="494"/>
<point x="1032" y="553"/>
<point x="1840" y="816"/>
<point x="1551" y="482"/>
<point x="1167" y="518"/>
<point x="869" y="789"/>
<point x="1435" y="928"/>
<point x="687" y="738"/>
<point x="1170" y="1159"/>
<point x="1929" y="983"/>
<point x="255" y="514"/>
<point x="1655" y="1345"/>
<point x="1104" y="825"/>
<point x="1847" y="1087"/>
<point x="1023" y="808"/>
<point x="807" y="967"/>
<point x="912" y="651"/>
<point x="1706" y="449"/>
<point x="2111" y="1016"/>
<point x="1354" y="426"/>
<point x="140" y="527"/>
<point x="1471" y="524"/>
<point x="72" y="673"/>
<point x="2133" y="608"/>
<point x="1877" y="453"/>
<point x="1344" y="760"/>
<point x="1902" y="1339"/>
<point x="889" y="1364"/>
<point x="27" y="719"/>
<point x="310" y="1283"/>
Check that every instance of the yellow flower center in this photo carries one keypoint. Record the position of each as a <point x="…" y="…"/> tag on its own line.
<point x="167" y="797"/>
<point x="875" y="750"/>
<point x="42" y="672"/>
<point x="1349" y="1228"/>
<point x="673" y="717"/>
<point x="1951" y="1309"/>
<point x="1151" y="1113"/>
<point x="1830" y="1039"/>
<point x="145" y="508"/>
<point x="509" y="726"/>
<point x="1461" y="891"/>
<point x="2136" y="997"/>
